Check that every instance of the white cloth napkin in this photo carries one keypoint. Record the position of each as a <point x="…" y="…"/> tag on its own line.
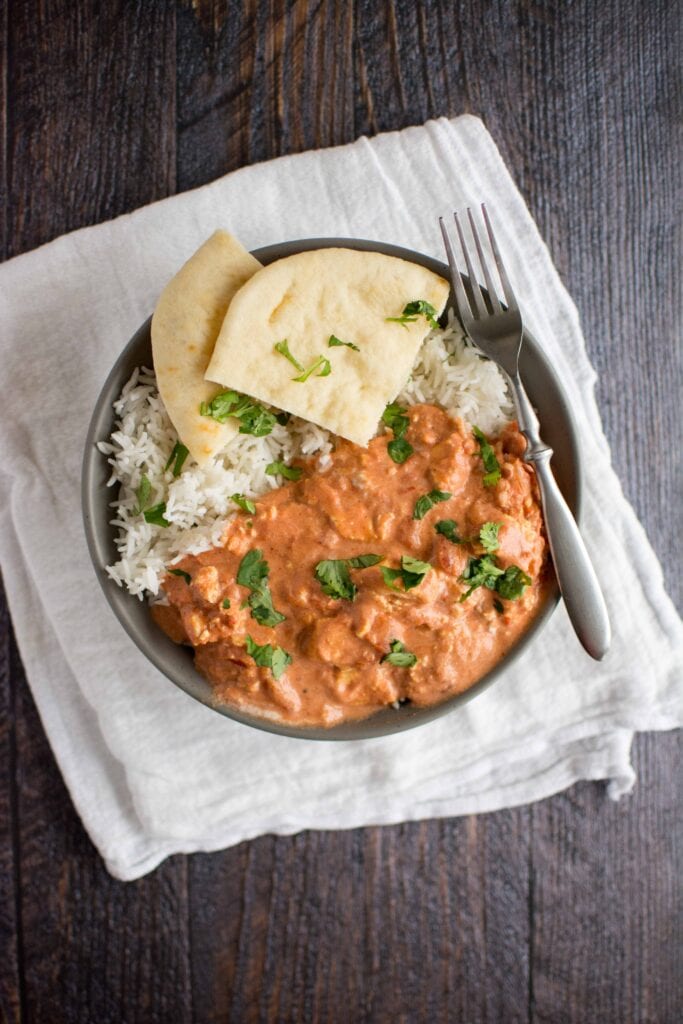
<point x="152" y="772"/>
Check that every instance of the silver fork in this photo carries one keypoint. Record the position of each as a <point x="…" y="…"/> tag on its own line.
<point x="498" y="335"/>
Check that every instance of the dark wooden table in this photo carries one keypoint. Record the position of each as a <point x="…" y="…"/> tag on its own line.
<point x="567" y="910"/>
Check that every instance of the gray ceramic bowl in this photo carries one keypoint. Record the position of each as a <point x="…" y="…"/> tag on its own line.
<point x="177" y="662"/>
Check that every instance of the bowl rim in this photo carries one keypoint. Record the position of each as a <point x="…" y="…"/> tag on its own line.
<point x="386" y="721"/>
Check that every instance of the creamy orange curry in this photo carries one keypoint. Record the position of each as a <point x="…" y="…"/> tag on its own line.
<point x="370" y="582"/>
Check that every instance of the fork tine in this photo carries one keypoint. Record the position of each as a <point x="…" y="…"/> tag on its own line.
<point x="474" y="284"/>
<point x="495" y="302"/>
<point x="456" y="280"/>
<point x="504" y="280"/>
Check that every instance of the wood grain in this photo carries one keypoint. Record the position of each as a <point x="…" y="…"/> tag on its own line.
<point x="606" y="890"/>
<point x="93" y="949"/>
<point x="84" y="77"/>
<point x="334" y="926"/>
<point x="564" y="911"/>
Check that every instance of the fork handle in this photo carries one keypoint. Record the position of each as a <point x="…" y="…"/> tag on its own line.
<point x="575" y="573"/>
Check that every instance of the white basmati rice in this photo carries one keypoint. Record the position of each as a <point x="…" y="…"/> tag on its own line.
<point x="447" y="372"/>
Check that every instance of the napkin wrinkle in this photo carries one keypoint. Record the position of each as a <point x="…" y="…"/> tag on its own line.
<point x="152" y="772"/>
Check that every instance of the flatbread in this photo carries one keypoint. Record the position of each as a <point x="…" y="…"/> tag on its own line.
<point x="185" y="326"/>
<point x="305" y="299"/>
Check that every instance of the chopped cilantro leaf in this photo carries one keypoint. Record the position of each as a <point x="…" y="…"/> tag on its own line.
<point x="488" y="537"/>
<point x="428" y="501"/>
<point x="261" y="604"/>
<point x="411" y="573"/>
<point x="142" y="494"/>
<point x="488" y="457"/>
<point x="253" y="418"/>
<point x="336" y="342"/>
<point x="252" y="570"/>
<point x="257" y="421"/>
<point x="253" y="573"/>
<point x="280" y="469"/>
<point x="268" y="656"/>
<point x="283" y="348"/>
<point x="414" y="309"/>
<point x="364" y="561"/>
<point x="399" y="656"/>
<point x="225" y="602"/>
<point x="181" y="572"/>
<point x="335" y="579"/>
<point x="246" y="504"/>
<point x="321" y="363"/>
<point x="480" y="572"/>
<point x="512" y="583"/>
<point x="390" y="576"/>
<point x="394" y="416"/>
<point x="155" y="515"/>
<point x="177" y="457"/>
<point x="414" y="565"/>
<point x="484" y="572"/>
<point x="221" y="406"/>
<point x="399" y="450"/>
<point x="448" y="528"/>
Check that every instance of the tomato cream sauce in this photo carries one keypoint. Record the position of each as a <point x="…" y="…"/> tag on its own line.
<point x="361" y="503"/>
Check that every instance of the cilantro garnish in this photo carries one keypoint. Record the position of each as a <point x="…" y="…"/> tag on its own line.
<point x="283" y="348"/>
<point x="280" y="469"/>
<point x="223" y="405"/>
<point x="156" y="515"/>
<point x="394" y="416"/>
<point x="488" y="457"/>
<point x="225" y="602"/>
<point x="253" y="418"/>
<point x="246" y="504"/>
<point x="268" y="656"/>
<point x="336" y="342"/>
<point x="399" y="656"/>
<point x="142" y="494"/>
<point x="252" y="570"/>
<point x="411" y="312"/>
<point x="448" y="528"/>
<point x="335" y="579"/>
<point x="325" y="370"/>
<point x="177" y="457"/>
<point x="253" y="574"/>
<point x="480" y="572"/>
<point x="428" y="501"/>
<point x="399" y="450"/>
<point x="257" y="421"/>
<point x="512" y="583"/>
<point x="488" y="537"/>
<point x="321" y="362"/>
<point x="181" y="572"/>
<point x="411" y="573"/>
<point x="364" y="561"/>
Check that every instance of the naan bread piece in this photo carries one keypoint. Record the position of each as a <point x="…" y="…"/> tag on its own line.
<point x="305" y="299"/>
<point x="185" y="326"/>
